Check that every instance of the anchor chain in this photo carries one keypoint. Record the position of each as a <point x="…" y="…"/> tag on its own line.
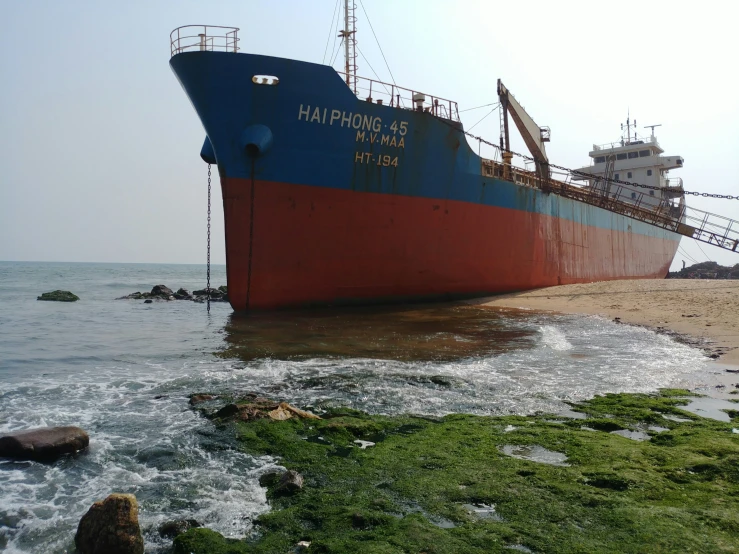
<point x="207" y="286"/>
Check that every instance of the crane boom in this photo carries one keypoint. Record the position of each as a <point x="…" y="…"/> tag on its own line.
<point x="533" y="135"/>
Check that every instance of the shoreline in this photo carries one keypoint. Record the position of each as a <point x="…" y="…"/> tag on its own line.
<point x="701" y="313"/>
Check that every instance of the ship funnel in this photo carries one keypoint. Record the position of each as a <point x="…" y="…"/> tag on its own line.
<point x="256" y="140"/>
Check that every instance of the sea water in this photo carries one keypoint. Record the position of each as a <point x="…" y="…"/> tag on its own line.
<point x="123" y="370"/>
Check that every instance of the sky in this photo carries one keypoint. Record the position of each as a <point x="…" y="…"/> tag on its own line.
<point x="99" y="146"/>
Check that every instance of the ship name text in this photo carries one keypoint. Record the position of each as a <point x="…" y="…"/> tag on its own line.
<point x="386" y="135"/>
<point x="369" y="130"/>
<point x="382" y="140"/>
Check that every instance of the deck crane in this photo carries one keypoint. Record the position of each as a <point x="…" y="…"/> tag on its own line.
<point x="533" y="135"/>
<point x="613" y="195"/>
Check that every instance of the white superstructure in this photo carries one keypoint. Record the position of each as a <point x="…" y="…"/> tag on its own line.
<point x="634" y="160"/>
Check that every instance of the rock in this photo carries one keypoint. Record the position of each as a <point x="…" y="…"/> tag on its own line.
<point x="269" y="479"/>
<point x="214" y="293"/>
<point x="46" y="443"/>
<point x="298" y="412"/>
<point x="440" y="380"/>
<point x="260" y="408"/>
<point x="200" y="398"/>
<point x="161" y="290"/>
<point x="148" y="301"/>
<point x="170" y="529"/>
<point x="183" y="294"/>
<point x="280" y="414"/>
<point x="359" y="521"/>
<point x="290" y="483"/>
<point x="111" y="526"/>
<point x="223" y="289"/>
<point x="59" y="296"/>
<point x="227" y="411"/>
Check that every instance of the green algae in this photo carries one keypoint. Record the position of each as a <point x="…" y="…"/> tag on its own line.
<point x="59" y="296"/>
<point x="678" y="492"/>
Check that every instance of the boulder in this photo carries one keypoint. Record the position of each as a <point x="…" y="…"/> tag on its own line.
<point x="183" y="294"/>
<point x="148" y="301"/>
<point x="214" y="293"/>
<point x="290" y="483"/>
<point x="227" y="411"/>
<point x="134" y="296"/>
<point x="171" y="529"/>
<point x="259" y="408"/>
<point x="59" y="296"/>
<point x="111" y="526"/>
<point x="200" y="398"/>
<point x="46" y="443"/>
<point x="161" y="291"/>
<point x="270" y="479"/>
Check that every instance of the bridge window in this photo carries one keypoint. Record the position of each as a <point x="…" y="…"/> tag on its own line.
<point x="651" y="193"/>
<point x="620" y="156"/>
<point x="628" y="175"/>
<point x="633" y="155"/>
<point x="644" y="153"/>
<point x="616" y="176"/>
<point x="600" y="159"/>
<point x="649" y="172"/>
<point x="633" y="196"/>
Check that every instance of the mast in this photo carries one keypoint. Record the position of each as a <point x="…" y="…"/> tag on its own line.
<point x="346" y="40"/>
<point x="350" y="44"/>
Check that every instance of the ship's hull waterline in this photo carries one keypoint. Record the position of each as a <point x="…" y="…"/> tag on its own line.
<point x="329" y="199"/>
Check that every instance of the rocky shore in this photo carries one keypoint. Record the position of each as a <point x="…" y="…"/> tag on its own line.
<point x="163" y="292"/>
<point x="629" y="473"/>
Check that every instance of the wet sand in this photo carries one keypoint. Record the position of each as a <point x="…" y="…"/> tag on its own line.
<point x="706" y="310"/>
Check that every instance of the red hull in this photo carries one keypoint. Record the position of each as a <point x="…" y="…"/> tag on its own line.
<point x="317" y="245"/>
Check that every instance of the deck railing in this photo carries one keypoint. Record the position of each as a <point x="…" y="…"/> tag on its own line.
<point x="189" y="38"/>
<point x="635" y="142"/>
<point x="663" y="212"/>
<point x="392" y="95"/>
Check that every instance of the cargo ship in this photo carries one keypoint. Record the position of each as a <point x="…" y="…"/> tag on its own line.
<point x="339" y="189"/>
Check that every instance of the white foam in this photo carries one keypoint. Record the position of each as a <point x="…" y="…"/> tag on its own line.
<point x="553" y="337"/>
<point x="139" y="445"/>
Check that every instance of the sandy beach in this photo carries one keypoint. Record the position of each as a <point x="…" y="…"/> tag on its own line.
<point x="707" y="310"/>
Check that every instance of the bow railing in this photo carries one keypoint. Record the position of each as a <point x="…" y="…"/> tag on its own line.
<point x="192" y="38"/>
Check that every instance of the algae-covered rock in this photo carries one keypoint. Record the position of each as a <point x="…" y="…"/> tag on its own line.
<point x="290" y="482"/>
<point x="270" y="479"/>
<point x="161" y="291"/>
<point x="259" y="408"/>
<point x="678" y="492"/>
<point x="172" y="529"/>
<point x="205" y="541"/>
<point x="111" y="526"/>
<point x="196" y="399"/>
<point x="59" y="296"/>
